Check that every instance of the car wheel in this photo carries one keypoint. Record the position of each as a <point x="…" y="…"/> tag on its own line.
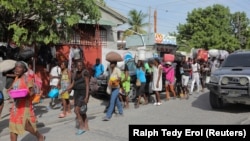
<point x="215" y="101"/>
<point x="132" y="93"/>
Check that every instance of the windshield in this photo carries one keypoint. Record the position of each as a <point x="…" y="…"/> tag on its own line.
<point x="237" y="60"/>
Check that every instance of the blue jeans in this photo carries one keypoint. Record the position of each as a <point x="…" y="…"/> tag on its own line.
<point x="114" y="100"/>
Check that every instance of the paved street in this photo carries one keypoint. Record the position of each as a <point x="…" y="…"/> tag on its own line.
<point x="195" y="110"/>
<point x="46" y="117"/>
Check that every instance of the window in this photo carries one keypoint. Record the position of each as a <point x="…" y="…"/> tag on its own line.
<point x="103" y="37"/>
<point x="75" y="38"/>
<point x="237" y="60"/>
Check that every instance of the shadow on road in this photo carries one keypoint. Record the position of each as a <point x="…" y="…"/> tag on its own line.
<point x="202" y="102"/>
<point x="105" y="99"/>
<point x="40" y="110"/>
<point x="30" y="137"/>
<point x="4" y="124"/>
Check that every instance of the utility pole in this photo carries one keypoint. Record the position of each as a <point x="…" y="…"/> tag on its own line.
<point x="149" y="20"/>
<point x="155" y="21"/>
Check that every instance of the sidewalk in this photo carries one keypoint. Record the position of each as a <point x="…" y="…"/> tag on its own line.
<point x="47" y="117"/>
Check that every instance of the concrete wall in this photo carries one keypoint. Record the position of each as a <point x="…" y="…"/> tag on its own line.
<point x="111" y="37"/>
<point x="111" y="29"/>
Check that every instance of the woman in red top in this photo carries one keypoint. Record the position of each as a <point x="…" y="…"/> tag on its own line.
<point x="22" y="116"/>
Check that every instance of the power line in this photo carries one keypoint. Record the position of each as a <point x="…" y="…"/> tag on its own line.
<point x="174" y="7"/>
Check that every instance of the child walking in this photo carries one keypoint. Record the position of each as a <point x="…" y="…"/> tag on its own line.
<point x="65" y="82"/>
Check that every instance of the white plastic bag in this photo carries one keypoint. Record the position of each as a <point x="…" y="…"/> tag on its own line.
<point x="207" y="79"/>
<point x="108" y="90"/>
<point x="72" y="93"/>
<point x="223" y="54"/>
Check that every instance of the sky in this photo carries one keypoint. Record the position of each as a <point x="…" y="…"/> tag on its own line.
<point x="171" y="13"/>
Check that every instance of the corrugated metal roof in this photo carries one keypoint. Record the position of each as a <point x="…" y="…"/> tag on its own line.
<point x="100" y="22"/>
<point x="113" y="12"/>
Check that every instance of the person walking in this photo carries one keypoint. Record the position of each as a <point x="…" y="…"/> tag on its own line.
<point x="80" y="85"/>
<point x="65" y="82"/>
<point x="125" y="86"/>
<point x="204" y="73"/>
<point x="157" y="80"/>
<point x="141" y="75"/>
<point x="178" y="84"/>
<point x="149" y="78"/>
<point x="22" y="116"/>
<point x="195" y="76"/>
<point x="114" y="84"/>
<point x="185" y="78"/>
<point x="170" y="78"/>
<point x="55" y="75"/>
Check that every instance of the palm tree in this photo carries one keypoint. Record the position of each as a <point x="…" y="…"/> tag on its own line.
<point x="136" y="23"/>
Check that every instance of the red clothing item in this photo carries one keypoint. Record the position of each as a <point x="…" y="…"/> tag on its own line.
<point x="22" y="108"/>
<point x="170" y="74"/>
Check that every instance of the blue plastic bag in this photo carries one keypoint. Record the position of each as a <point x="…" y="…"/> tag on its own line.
<point x="53" y="93"/>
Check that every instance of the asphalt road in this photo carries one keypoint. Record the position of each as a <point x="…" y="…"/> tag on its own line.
<point x="194" y="111"/>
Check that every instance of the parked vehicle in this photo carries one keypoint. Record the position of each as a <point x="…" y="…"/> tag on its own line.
<point x="230" y="82"/>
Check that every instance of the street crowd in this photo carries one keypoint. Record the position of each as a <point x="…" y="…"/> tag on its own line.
<point x="75" y="82"/>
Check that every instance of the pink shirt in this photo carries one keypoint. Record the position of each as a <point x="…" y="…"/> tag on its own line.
<point x="170" y="74"/>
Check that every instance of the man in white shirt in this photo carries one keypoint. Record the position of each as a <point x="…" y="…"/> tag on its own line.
<point x="55" y="75"/>
<point x="195" y="76"/>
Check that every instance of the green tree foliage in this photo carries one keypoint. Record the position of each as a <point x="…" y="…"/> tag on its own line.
<point x="240" y="24"/>
<point x="46" y="21"/>
<point x="136" y="22"/>
<point x="212" y="28"/>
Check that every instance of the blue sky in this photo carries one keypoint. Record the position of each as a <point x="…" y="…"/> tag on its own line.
<point x="172" y="12"/>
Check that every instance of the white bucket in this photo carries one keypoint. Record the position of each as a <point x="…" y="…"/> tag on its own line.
<point x="141" y="54"/>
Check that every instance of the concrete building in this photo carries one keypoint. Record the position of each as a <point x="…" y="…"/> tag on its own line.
<point x="156" y="44"/>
